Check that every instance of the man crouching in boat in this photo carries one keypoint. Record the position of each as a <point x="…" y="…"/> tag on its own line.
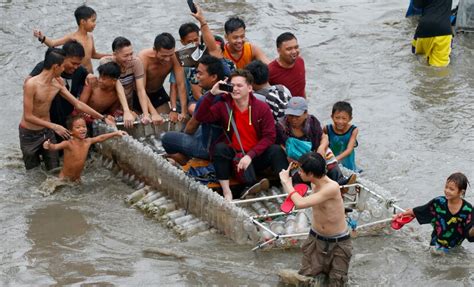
<point x="328" y="249"/>
<point x="253" y="120"/>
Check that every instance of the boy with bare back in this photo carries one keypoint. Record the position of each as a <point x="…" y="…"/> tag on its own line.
<point x="77" y="147"/>
<point x="85" y="18"/>
<point x="328" y="248"/>
<point x="36" y="126"/>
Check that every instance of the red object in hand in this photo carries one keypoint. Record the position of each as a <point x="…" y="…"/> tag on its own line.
<point x="399" y="221"/>
<point x="288" y="204"/>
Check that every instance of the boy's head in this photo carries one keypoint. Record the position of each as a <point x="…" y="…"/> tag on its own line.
<point x="108" y="75"/>
<point x="209" y="71"/>
<point x="287" y="47"/>
<point x="164" y="47"/>
<point x="122" y="49"/>
<point x="219" y="42"/>
<point x="457" y="182"/>
<point x="53" y="60"/>
<point x="86" y="17"/>
<point x="77" y="126"/>
<point x="235" y="33"/>
<point x="312" y="164"/>
<point x="189" y="33"/>
<point x="74" y="53"/>
<point x="341" y="115"/>
<point x="259" y="71"/>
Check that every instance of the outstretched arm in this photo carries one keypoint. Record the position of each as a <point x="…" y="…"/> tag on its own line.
<point x="260" y="55"/>
<point x="49" y="41"/>
<point x="350" y="145"/>
<point x="107" y="136"/>
<point x="78" y="105"/>
<point x="50" y="146"/>
<point x="207" y="35"/>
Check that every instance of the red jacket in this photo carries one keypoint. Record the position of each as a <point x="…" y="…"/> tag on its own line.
<point x="261" y="114"/>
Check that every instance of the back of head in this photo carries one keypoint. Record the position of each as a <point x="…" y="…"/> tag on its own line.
<point x="233" y="24"/>
<point x="242" y="73"/>
<point x="164" y="41"/>
<point x="186" y="29"/>
<point x="110" y="69"/>
<point x="214" y="66"/>
<point x="72" y="48"/>
<point x="460" y="180"/>
<point x="313" y="163"/>
<point x="342" y="106"/>
<point x="71" y="119"/>
<point x="83" y="13"/>
<point x="287" y="36"/>
<point x="54" y="56"/>
<point x="119" y="43"/>
<point x="259" y="71"/>
<point x="220" y="41"/>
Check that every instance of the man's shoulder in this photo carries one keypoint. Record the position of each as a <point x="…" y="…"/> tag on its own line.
<point x="106" y="59"/>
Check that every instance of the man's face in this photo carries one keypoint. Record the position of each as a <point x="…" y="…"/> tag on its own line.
<point x="236" y="39"/>
<point x="192" y="37"/>
<point x="205" y="80"/>
<point x="124" y="55"/>
<point x="164" y="55"/>
<point x="71" y="64"/>
<point x="297" y="121"/>
<point x="289" y="51"/>
<point x="106" y="82"/>
<point x="241" y="88"/>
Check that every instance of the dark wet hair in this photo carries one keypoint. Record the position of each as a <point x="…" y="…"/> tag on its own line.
<point x="52" y="57"/>
<point x="342" y="107"/>
<point x="187" y="28"/>
<point x="165" y="41"/>
<point x="259" y="71"/>
<point x="72" y="119"/>
<point x="221" y="41"/>
<point x="313" y="163"/>
<point x="214" y="66"/>
<point x="72" y="48"/>
<point x="120" y="42"/>
<point x="83" y="13"/>
<point x="233" y="24"/>
<point x="242" y="73"/>
<point x="110" y="69"/>
<point x="287" y="36"/>
<point x="460" y="180"/>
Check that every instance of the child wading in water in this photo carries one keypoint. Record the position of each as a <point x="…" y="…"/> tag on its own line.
<point x="450" y="215"/>
<point x="76" y="149"/>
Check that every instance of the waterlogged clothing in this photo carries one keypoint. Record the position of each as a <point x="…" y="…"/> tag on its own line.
<point x="435" y="49"/>
<point x="338" y="144"/>
<point x="245" y="57"/>
<point x="449" y="230"/>
<point x="293" y="78"/>
<point x="31" y="144"/>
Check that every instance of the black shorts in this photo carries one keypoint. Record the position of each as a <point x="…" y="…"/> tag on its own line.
<point x="31" y="144"/>
<point x="157" y="99"/>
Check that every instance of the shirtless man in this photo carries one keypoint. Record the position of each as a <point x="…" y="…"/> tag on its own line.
<point x="328" y="247"/>
<point x="76" y="148"/>
<point x="35" y="125"/>
<point x="85" y="18"/>
<point x="158" y="63"/>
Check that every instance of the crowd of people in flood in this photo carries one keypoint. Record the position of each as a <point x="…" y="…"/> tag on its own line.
<point x="243" y="112"/>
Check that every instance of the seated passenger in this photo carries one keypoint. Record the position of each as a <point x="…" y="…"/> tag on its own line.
<point x="301" y="132"/>
<point x="276" y="96"/>
<point x="255" y="125"/>
<point x="196" y="138"/>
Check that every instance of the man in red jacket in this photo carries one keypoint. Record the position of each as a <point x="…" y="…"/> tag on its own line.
<point x="255" y="124"/>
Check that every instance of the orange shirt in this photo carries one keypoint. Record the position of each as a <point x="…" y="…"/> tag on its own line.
<point x="244" y="59"/>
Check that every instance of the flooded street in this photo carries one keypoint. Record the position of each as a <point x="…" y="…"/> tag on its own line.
<point x="416" y="128"/>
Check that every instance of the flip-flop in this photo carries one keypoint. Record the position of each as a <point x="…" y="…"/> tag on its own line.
<point x="398" y="222"/>
<point x="288" y="204"/>
<point x="263" y="184"/>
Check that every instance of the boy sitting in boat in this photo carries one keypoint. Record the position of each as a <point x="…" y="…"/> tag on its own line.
<point x="450" y="215"/>
<point x="76" y="148"/>
<point x="328" y="248"/>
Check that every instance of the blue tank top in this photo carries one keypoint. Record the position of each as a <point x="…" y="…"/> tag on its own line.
<point x="338" y="144"/>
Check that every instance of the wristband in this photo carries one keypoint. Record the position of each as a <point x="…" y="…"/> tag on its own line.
<point x="174" y="110"/>
<point x="42" y="40"/>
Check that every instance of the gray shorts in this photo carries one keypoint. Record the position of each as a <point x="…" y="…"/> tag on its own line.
<point x="31" y="144"/>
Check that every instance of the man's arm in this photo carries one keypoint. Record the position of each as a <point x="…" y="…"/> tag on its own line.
<point x="179" y="74"/>
<point x="323" y="145"/>
<point x="128" y="118"/>
<point x="86" y="94"/>
<point x="206" y="33"/>
<point x="107" y="136"/>
<point x="259" y="54"/>
<point x="350" y="145"/>
<point x="49" y="41"/>
<point x="95" y="54"/>
<point x="78" y="105"/>
<point x="191" y="126"/>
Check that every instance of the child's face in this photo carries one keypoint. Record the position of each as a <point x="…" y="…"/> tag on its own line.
<point x="79" y="129"/>
<point x="451" y="190"/>
<point x="341" y="120"/>
<point x="106" y="82"/>
<point x="89" y="24"/>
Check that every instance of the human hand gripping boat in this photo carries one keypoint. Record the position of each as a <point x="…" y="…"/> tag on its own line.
<point x="166" y="193"/>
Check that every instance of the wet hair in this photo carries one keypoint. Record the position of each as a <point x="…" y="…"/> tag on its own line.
<point x="165" y="41"/>
<point x="221" y="42"/>
<point x="119" y="43"/>
<point x="342" y="107"/>
<point x="259" y="71"/>
<point x="72" y="119"/>
<point x="313" y="163"/>
<point x="53" y="56"/>
<point x="214" y="66"/>
<point x="460" y="180"/>
<point x="233" y="24"/>
<point x="72" y="48"/>
<point x="242" y="73"/>
<point x="287" y="36"/>
<point x="110" y="69"/>
<point x="188" y="28"/>
<point x="83" y="13"/>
